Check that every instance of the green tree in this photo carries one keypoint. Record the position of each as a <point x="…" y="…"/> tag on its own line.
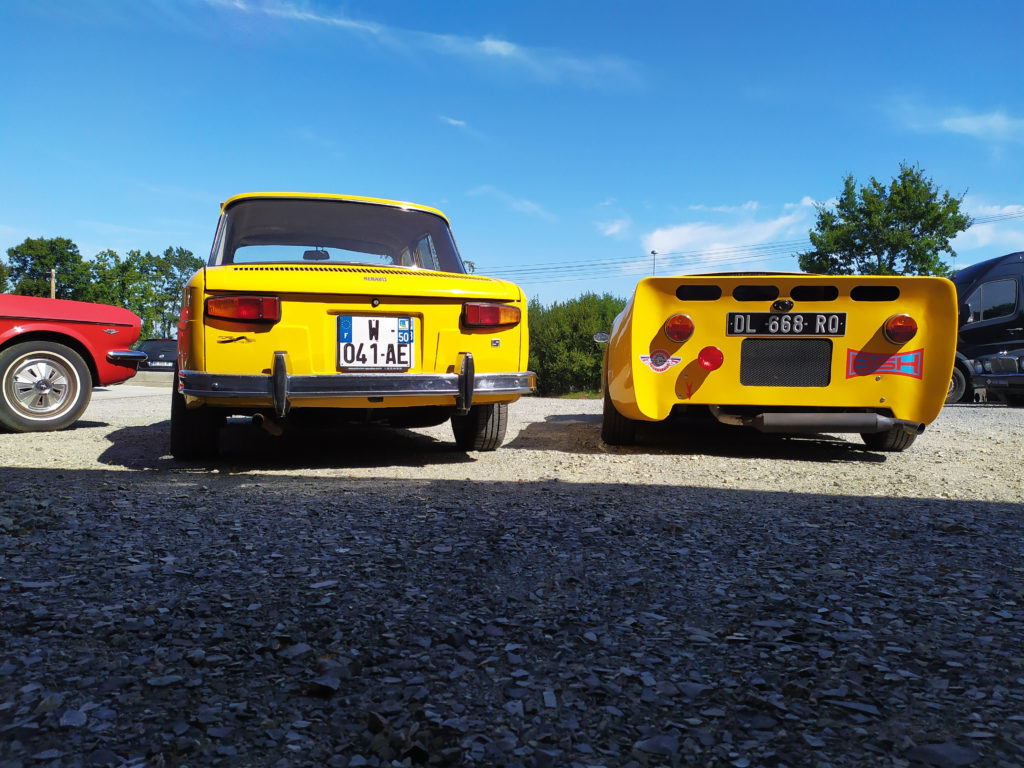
<point x="124" y="283"/>
<point x="899" y="229"/>
<point x="29" y="265"/>
<point x="167" y="275"/>
<point x="563" y="352"/>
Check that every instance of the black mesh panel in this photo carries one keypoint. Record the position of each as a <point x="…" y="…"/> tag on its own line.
<point x="786" y="362"/>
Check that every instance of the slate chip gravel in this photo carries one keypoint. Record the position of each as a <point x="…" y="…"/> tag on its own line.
<point x="377" y="598"/>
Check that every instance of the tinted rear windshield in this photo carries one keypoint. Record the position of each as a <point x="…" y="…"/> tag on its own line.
<point x="304" y="231"/>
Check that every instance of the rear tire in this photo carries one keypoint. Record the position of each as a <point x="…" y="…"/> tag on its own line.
<point x="482" y="429"/>
<point x="44" y="386"/>
<point x="894" y="440"/>
<point x="195" y="431"/>
<point x="616" y="429"/>
<point x="960" y="390"/>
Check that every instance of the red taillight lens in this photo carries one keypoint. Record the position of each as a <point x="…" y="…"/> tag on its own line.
<point x="480" y="315"/>
<point x="899" y="329"/>
<point x="266" y="309"/>
<point x="679" y="327"/>
<point x="710" y="358"/>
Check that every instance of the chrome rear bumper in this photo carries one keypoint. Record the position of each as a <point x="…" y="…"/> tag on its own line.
<point x="283" y="387"/>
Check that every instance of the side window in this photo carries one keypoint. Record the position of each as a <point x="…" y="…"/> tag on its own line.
<point x="426" y="254"/>
<point x="993" y="300"/>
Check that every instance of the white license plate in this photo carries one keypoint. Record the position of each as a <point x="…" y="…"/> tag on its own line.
<point x="376" y="342"/>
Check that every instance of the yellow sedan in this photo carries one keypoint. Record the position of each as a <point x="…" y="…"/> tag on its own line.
<point x="334" y="306"/>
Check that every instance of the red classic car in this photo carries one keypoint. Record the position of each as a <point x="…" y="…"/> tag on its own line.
<point x="53" y="352"/>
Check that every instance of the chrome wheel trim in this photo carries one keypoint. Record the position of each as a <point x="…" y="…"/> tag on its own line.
<point x="41" y="385"/>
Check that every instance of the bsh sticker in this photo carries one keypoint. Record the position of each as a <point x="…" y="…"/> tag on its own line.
<point x="860" y="363"/>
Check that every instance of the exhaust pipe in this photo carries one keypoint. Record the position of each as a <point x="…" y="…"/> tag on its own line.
<point x="865" y="423"/>
<point x="268" y="424"/>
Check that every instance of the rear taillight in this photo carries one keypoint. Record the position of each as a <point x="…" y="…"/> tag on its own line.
<point x="710" y="358"/>
<point x="246" y="309"/>
<point x="480" y="315"/>
<point x="899" y="329"/>
<point x="679" y="328"/>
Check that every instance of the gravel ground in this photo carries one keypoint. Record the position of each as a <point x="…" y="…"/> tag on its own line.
<point x="376" y="598"/>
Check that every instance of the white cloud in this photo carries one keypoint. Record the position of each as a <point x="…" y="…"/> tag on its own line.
<point x="1004" y="235"/>
<point x="699" y="245"/>
<point x="994" y="126"/>
<point x="520" y="204"/>
<point x="493" y="47"/>
<point x="748" y="207"/>
<point x="614" y="228"/>
<point x="453" y="121"/>
<point x="544" y="64"/>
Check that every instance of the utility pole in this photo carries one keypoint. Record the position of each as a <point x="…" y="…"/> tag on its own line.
<point x="654" y="262"/>
<point x="53" y="283"/>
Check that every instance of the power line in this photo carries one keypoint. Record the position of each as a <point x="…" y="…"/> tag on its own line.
<point x="577" y="269"/>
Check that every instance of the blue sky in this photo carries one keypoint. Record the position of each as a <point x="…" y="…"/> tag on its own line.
<point x="565" y="140"/>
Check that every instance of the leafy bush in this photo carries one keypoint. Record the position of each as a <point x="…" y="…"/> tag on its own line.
<point x="563" y="352"/>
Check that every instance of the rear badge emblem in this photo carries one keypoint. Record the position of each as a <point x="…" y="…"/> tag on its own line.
<point x="659" y="360"/>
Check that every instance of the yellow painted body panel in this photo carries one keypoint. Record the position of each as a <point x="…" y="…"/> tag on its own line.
<point x="640" y="392"/>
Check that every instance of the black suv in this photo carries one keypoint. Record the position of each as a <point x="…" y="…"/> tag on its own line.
<point x="990" y="343"/>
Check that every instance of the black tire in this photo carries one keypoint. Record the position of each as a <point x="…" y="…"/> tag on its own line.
<point x="194" y="432"/>
<point x="44" y="386"/>
<point x="957" y="386"/>
<point x="894" y="440"/>
<point x="482" y="429"/>
<point x="616" y="429"/>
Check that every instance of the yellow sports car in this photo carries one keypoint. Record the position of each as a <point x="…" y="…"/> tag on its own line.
<point x="787" y="353"/>
<point x="328" y="305"/>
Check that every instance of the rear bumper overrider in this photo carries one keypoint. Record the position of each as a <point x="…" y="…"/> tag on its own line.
<point x="283" y="387"/>
<point x="129" y="358"/>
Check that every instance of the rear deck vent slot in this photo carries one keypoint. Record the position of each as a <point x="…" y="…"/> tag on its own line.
<point x="755" y="292"/>
<point x="875" y="293"/>
<point x="700" y="292"/>
<point x="814" y="293"/>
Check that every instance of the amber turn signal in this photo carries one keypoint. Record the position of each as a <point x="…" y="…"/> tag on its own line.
<point x="478" y="314"/>
<point x="899" y="329"/>
<point x="257" y="309"/>
<point x="679" y="328"/>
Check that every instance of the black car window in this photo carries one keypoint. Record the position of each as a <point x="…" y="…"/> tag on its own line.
<point x="325" y="231"/>
<point x="997" y="298"/>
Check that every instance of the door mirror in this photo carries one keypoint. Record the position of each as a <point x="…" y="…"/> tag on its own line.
<point x="601" y="337"/>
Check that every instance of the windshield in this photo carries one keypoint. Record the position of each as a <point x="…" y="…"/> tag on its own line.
<point x="319" y="231"/>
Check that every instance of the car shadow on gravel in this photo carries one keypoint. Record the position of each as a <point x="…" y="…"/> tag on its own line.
<point x="582" y="434"/>
<point x="241" y="444"/>
<point x="831" y="629"/>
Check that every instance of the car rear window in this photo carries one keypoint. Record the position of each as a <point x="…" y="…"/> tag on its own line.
<point x="312" y="231"/>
